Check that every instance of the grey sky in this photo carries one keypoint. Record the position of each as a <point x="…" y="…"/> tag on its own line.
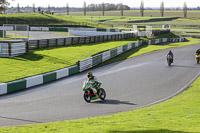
<point x="79" y="3"/>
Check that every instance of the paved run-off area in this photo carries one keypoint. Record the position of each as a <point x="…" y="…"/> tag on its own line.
<point x="129" y="84"/>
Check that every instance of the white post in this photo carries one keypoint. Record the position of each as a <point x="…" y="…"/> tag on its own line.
<point x="3" y="32"/>
<point x="15" y="32"/>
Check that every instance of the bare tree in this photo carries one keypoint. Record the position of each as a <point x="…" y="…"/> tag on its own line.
<point x="84" y="8"/>
<point x="49" y="9"/>
<point x="103" y="9"/>
<point x="122" y="9"/>
<point x="185" y="9"/>
<point x="162" y="8"/>
<point x="142" y="8"/>
<point x="33" y="8"/>
<point x="67" y="9"/>
<point x="18" y="8"/>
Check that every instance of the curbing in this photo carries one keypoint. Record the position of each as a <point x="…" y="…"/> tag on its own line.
<point x="83" y="65"/>
<point x="33" y="81"/>
<point x="21" y="84"/>
<point x="3" y="88"/>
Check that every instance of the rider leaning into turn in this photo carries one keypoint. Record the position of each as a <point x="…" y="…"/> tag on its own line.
<point x="93" y="79"/>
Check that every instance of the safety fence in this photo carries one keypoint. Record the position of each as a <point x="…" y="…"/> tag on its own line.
<point x="58" y="29"/>
<point x="11" y="49"/>
<point x="44" y="43"/>
<point x="82" y="65"/>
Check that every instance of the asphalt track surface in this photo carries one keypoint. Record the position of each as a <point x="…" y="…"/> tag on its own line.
<point x="129" y="84"/>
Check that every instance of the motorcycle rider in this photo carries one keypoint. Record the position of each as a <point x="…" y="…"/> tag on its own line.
<point x="198" y="52"/>
<point x="92" y="79"/>
<point x="171" y="54"/>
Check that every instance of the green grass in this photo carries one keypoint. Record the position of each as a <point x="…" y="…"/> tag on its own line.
<point x="185" y="30"/>
<point x="12" y="37"/>
<point x="179" y="114"/>
<point x="39" y="19"/>
<point x="49" y="59"/>
<point x="64" y="34"/>
<point x="136" y="13"/>
<point x="189" y="34"/>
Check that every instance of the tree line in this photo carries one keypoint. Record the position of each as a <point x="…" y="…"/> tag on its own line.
<point x="97" y="7"/>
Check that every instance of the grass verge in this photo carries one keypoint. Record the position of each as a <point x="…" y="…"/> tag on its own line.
<point x="177" y="115"/>
<point x="50" y="59"/>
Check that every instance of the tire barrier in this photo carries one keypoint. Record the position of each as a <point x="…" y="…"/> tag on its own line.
<point x="106" y="55"/>
<point x="164" y="40"/>
<point x="12" y="48"/>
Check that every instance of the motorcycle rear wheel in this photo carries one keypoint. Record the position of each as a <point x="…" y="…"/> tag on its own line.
<point x="197" y="60"/>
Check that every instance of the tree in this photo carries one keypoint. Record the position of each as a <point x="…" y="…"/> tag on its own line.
<point x="122" y="9"/>
<point x="49" y="9"/>
<point x="162" y="9"/>
<point x="18" y="8"/>
<point x="142" y="8"/>
<point x="84" y="8"/>
<point x="33" y="8"/>
<point x="3" y="4"/>
<point x="103" y="9"/>
<point x="185" y="9"/>
<point x="67" y="9"/>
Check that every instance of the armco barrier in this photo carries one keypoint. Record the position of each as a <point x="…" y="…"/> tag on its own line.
<point x="99" y="58"/>
<point x="28" y="82"/>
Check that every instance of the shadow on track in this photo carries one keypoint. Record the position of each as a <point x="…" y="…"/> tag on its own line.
<point x="114" y="102"/>
<point x="183" y="66"/>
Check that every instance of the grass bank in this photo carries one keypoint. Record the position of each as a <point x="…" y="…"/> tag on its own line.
<point x="49" y="59"/>
<point x="177" y="115"/>
<point x="44" y="19"/>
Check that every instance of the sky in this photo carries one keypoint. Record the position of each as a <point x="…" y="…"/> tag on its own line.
<point x="79" y="3"/>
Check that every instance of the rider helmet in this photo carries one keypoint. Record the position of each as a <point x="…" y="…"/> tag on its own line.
<point x="89" y="75"/>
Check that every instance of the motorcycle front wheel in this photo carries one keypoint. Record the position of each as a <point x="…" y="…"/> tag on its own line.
<point x="87" y="97"/>
<point x="102" y="94"/>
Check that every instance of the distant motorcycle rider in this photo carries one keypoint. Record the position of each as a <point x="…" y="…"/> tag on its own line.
<point x="171" y="55"/>
<point x="92" y="80"/>
<point x="198" y="52"/>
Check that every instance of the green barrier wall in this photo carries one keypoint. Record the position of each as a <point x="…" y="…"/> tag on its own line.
<point x="58" y="29"/>
<point x="73" y="70"/>
<point x="16" y="85"/>
<point x="48" y="77"/>
<point x="101" y="29"/>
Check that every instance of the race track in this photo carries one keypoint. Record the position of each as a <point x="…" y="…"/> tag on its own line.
<point x="129" y="84"/>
